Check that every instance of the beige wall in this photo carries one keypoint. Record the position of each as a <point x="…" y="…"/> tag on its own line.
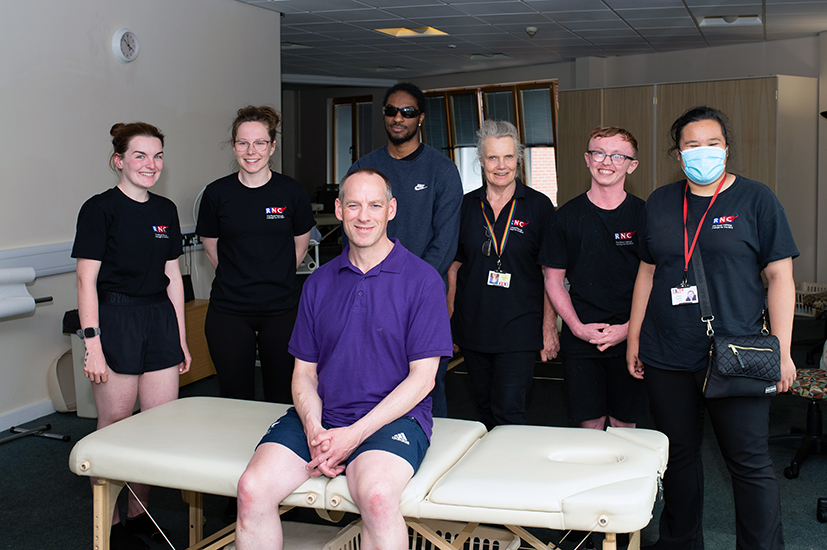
<point x="60" y="91"/>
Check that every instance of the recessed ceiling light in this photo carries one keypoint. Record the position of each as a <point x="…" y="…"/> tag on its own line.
<point x="730" y="21"/>
<point x="485" y="56"/>
<point x="402" y="32"/>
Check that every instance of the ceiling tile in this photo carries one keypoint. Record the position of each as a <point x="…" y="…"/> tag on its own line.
<point x="653" y="13"/>
<point x="414" y="11"/>
<point x="361" y="15"/>
<point x="341" y="35"/>
<point x="568" y="16"/>
<point x="303" y="18"/>
<point x="523" y="19"/>
<point x="401" y="3"/>
<point x="797" y="8"/>
<point x="494" y="8"/>
<point x="602" y="26"/>
<point x="627" y="4"/>
<point x="671" y="23"/>
<point x="566" y="5"/>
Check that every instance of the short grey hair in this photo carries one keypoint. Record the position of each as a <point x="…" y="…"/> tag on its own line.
<point x="371" y="172"/>
<point x="499" y="129"/>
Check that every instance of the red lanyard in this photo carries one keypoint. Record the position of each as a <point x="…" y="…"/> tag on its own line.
<point x="687" y="250"/>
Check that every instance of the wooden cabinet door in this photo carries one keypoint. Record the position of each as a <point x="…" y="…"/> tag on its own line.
<point x="633" y="109"/>
<point x="579" y="113"/>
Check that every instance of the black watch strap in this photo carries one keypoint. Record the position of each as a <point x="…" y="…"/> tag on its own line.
<point x="89" y="332"/>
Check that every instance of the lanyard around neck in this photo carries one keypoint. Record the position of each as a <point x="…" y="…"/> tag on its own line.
<point x="687" y="249"/>
<point x="499" y="248"/>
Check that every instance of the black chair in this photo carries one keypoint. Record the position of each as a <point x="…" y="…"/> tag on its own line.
<point x="810" y="384"/>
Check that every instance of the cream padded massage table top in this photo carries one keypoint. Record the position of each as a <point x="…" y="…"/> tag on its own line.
<point x="558" y="478"/>
<point x="203" y="444"/>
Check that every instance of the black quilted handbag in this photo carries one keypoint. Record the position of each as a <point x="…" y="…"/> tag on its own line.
<point x="739" y="366"/>
<point x="743" y="366"/>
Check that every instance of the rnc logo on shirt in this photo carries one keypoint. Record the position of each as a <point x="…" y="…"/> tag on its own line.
<point x="723" y="222"/>
<point x="624" y="238"/>
<point x="275" y="212"/>
<point x="160" y="231"/>
<point x="518" y="225"/>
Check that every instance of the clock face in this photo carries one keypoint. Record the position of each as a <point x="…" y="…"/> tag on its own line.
<point x="125" y="45"/>
<point x="129" y="45"/>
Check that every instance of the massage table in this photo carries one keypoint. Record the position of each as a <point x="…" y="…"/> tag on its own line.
<point x="516" y="476"/>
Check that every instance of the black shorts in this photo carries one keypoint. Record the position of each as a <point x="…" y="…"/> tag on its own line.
<point x="602" y="386"/>
<point x="403" y="437"/>
<point x="138" y="334"/>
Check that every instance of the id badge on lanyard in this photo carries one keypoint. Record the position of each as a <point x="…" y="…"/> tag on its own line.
<point x="685" y="293"/>
<point x="497" y="277"/>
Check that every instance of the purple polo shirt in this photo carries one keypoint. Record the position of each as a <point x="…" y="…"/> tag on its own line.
<point x="363" y="330"/>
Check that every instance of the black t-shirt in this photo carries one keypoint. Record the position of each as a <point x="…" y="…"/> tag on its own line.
<point x="492" y="319"/>
<point x="132" y="240"/>
<point x="745" y="230"/>
<point x="598" y="250"/>
<point x="255" y="228"/>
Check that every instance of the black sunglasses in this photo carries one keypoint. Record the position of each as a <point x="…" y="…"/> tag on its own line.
<point x="407" y="112"/>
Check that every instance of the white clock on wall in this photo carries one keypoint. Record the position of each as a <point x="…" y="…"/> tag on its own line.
<point x="125" y="45"/>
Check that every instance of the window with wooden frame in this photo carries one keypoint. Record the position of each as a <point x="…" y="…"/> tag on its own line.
<point x="352" y="138"/>
<point x="452" y="118"/>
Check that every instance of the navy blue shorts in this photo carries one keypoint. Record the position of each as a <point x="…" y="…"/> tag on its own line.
<point x="138" y="334"/>
<point x="602" y="386"/>
<point x="403" y="437"/>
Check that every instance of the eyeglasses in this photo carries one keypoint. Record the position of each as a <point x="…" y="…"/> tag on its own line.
<point x="486" y="245"/>
<point x="617" y="158"/>
<point x="406" y="112"/>
<point x="259" y="145"/>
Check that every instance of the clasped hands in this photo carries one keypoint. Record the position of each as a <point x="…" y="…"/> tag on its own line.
<point x="329" y="449"/>
<point x="603" y="335"/>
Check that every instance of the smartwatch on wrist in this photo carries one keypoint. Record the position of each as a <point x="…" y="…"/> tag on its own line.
<point x="89" y="332"/>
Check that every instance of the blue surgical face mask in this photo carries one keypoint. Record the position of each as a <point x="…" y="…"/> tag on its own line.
<point x="703" y="165"/>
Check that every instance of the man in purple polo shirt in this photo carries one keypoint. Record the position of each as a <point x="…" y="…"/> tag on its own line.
<point x="372" y="326"/>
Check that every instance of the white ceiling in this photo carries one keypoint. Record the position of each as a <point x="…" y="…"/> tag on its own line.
<point x="341" y="41"/>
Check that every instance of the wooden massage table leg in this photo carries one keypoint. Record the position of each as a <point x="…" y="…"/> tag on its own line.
<point x="530" y="539"/>
<point x="196" y="506"/>
<point x="434" y="538"/>
<point x="104" y="496"/>
<point x="609" y="543"/>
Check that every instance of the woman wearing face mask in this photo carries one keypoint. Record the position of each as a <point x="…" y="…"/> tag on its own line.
<point x="255" y="225"/>
<point x="742" y="231"/>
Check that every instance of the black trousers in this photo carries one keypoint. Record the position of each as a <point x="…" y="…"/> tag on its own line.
<point x="233" y="340"/>
<point x="501" y="382"/>
<point x="741" y="427"/>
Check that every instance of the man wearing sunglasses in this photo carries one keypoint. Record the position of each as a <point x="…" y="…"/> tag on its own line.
<point x="427" y="188"/>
